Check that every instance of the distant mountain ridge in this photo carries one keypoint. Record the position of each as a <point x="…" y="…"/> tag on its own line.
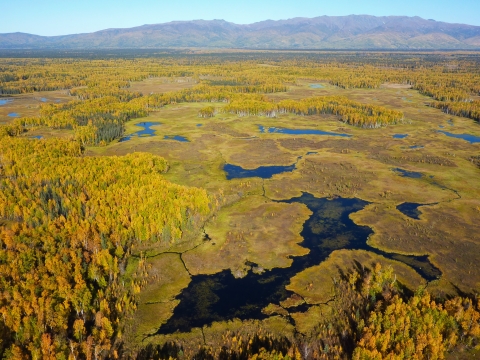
<point x="324" y="32"/>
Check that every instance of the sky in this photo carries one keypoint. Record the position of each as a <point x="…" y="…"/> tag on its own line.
<point x="62" y="17"/>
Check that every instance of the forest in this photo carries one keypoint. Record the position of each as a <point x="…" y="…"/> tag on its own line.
<point x="88" y="210"/>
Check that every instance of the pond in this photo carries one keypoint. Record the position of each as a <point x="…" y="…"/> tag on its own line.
<point x="299" y="131"/>
<point x="5" y="101"/>
<point x="410" y="209"/>
<point x="472" y="139"/>
<point x="147" y="131"/>
<point x="416" y="147"/>
<point x="176" y="138"/>
<point x="400" y="136"/>
<point x="317" y="86"/>
<point x="406" y="173"/>
<point x="222" y="297"/>
<point x="14" y="114"/>
<point x="264" y="172"/>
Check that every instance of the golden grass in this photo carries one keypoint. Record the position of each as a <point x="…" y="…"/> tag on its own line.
<point x="449" y="232"/>
<point x="305" y="322"/>
<point x="28" y="105"/>
<point x="252" y="229"/>
<point x="212" y="334"/>
<point x="168" y="278"/>
<point x="315" y="284"/>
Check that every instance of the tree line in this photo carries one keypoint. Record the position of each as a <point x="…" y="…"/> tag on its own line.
<point x="104" y="101"/>
<point x="350" y="112"/>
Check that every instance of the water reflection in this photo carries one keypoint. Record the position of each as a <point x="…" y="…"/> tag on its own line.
<point x="222" y="297"/>
<point x="472" y="139"/>
<point x="299" y="131"/>
<point x="264" y="172"/>
<point x="146" y="131"/>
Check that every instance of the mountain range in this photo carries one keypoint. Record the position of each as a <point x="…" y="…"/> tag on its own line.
<point x="324" y="32"/>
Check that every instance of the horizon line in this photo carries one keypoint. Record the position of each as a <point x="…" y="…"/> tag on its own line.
<point x="231" y="22"/>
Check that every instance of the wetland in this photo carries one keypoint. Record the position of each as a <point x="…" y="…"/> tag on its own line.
<point x="276" y="184"/>
<point x="223" y="297"/>
<point x="237" y="272"/>
<point x="358" y="191"/>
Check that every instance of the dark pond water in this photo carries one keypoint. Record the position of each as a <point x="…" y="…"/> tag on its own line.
<point x="264" y="172"/>
<point x="38" y="137"/>
<point x="450" y="122"/>
<point x="472" y="139"/>
<point x="146" y="131"/>
<point x="5" y="102"/>
<point x="199" y="125"/>
<point x="312" y="153"/>
<point x="221" y="297"/>
<point x="14" y="114"/>
<point x="441" y="126"/>
<point x="416" y="147"/>
<point x="317" y="86"/>
<point x="299" y="131"/>
<point x="410" y="209"/>
<point x="43" y="99"/>
<point x="400" y="136"/>
<point x="176" y="138"/>
<point x="410" y="174"/>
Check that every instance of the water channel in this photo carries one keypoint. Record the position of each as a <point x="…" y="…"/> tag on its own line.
<point x="222" y="297"/>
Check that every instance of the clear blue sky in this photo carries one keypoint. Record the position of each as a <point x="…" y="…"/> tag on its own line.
<point x="61" y="17"/>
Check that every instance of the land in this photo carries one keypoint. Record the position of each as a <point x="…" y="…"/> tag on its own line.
<point x="26" y="105"/>
<point x="252" y="228"/>
<point x="361" y="167"/>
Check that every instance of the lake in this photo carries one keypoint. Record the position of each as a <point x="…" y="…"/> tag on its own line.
<point x="472" y="139"/>
<point x="406" y="173"/>
<point x="222" y="297"/>
<point x="299" y="131"/>
<point x="146" y="131"/>
<point x="5" y="101"/>
<point x="176" y="138"/>
<point x="264" y="172"/>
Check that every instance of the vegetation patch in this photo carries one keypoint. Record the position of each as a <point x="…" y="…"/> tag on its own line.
<point x="167" y="278"/>
<point x="252" y="230"/>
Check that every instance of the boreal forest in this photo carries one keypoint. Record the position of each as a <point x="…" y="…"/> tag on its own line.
<point x="239" y="205"/>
